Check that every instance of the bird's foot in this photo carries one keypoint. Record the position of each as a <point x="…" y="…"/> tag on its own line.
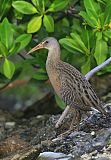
<point x="65" y="134"/>
<point x="68" y="132"/>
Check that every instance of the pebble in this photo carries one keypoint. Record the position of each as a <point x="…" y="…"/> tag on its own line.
<point x="53" y="155"/>
<point x="9" y="125"/>
<point x="92" y="133"/>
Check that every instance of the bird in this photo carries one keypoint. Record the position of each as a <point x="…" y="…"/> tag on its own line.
<point x="68" y="82"/>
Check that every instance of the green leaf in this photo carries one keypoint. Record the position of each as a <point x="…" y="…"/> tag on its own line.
<point x="34" y="24"/>
<point x="90" y="20"/>
<point x="86" y="66"/>
<point x="6" y="33"/>
<point x="101" y="51"/>
<point x="87" y="19"/>
<point x="107" y="13"/>
<point x="101" y="18"/>
<point x="4" y="7"/>
<point x="3" y="49"/>
<point x="8" y="68"/>
<point x="70" y="45"/>
<point x="18" y="15"/>
<point x="99" y="35"/>
<point x="59" y="102"/>
<point x="107" y="33"/>
<point x="48" y="23"/>
<point x="91" y="8"/>
<point x="85" y="36"/>
<point x="58" y="5"/>
<point x="40" y="75"/>
<point x="80" y="43"/>
<point x="35" y="2"/>
<point x="40" y="4"/>
<point x="24" y="40"/>
<point x="102" y="1"/>
<point x="93" y="11"/>
<point x="24" y="7"/>
<point x="14" y="48"/>
<point x="65" y="22"/>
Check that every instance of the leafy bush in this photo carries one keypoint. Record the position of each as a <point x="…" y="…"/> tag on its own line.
<point x="86" y="24"/>
<point x="93" y="38"/>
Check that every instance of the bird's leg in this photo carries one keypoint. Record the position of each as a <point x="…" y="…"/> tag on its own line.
<point x="74" y="123"/>
<point x="76" y="120"/>
<point x="64" y="113"/>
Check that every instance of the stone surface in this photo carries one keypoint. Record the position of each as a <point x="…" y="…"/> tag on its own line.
<point x="52" y="156"/>
<point x="27" y="138"/>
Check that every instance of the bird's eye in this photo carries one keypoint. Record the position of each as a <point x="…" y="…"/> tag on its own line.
<point x="46" y="42"/>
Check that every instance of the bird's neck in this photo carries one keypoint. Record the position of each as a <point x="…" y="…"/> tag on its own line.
<point x="53" y="56"/>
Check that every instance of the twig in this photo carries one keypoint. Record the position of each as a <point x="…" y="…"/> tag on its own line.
<point x="8" y="84"/>
<point x="98" y="68"/>
<point x="21" y="55"/>
<point x="67" y="14"/>
<point x="71" y="11"/>
<point x="5" y="86"/>
<point x="12" y="84"/>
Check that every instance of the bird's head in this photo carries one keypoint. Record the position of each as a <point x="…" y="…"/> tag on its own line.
<point x="49" y="43"/>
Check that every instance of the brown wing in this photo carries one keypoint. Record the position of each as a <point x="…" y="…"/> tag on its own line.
<point x="76" y="90"/>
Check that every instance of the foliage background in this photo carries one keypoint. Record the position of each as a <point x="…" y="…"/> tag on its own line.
<point x="83" y="28"/>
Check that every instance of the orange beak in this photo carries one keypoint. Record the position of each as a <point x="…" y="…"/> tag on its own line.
<point x="39" y="46"/>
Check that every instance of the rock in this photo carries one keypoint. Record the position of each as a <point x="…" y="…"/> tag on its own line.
<point x="93" y="134"/>
<point x="79" y="143"/>
<point x="53" y="155"/>
<point x="101" y="139"/>
<point x="9" y="125"/>
<point x="38" y="134"/>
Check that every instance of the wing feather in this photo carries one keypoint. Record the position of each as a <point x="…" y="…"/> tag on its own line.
<point x="76" y="90"/>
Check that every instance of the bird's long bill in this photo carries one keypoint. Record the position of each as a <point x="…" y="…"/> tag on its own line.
<point x="39" y="46"/>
